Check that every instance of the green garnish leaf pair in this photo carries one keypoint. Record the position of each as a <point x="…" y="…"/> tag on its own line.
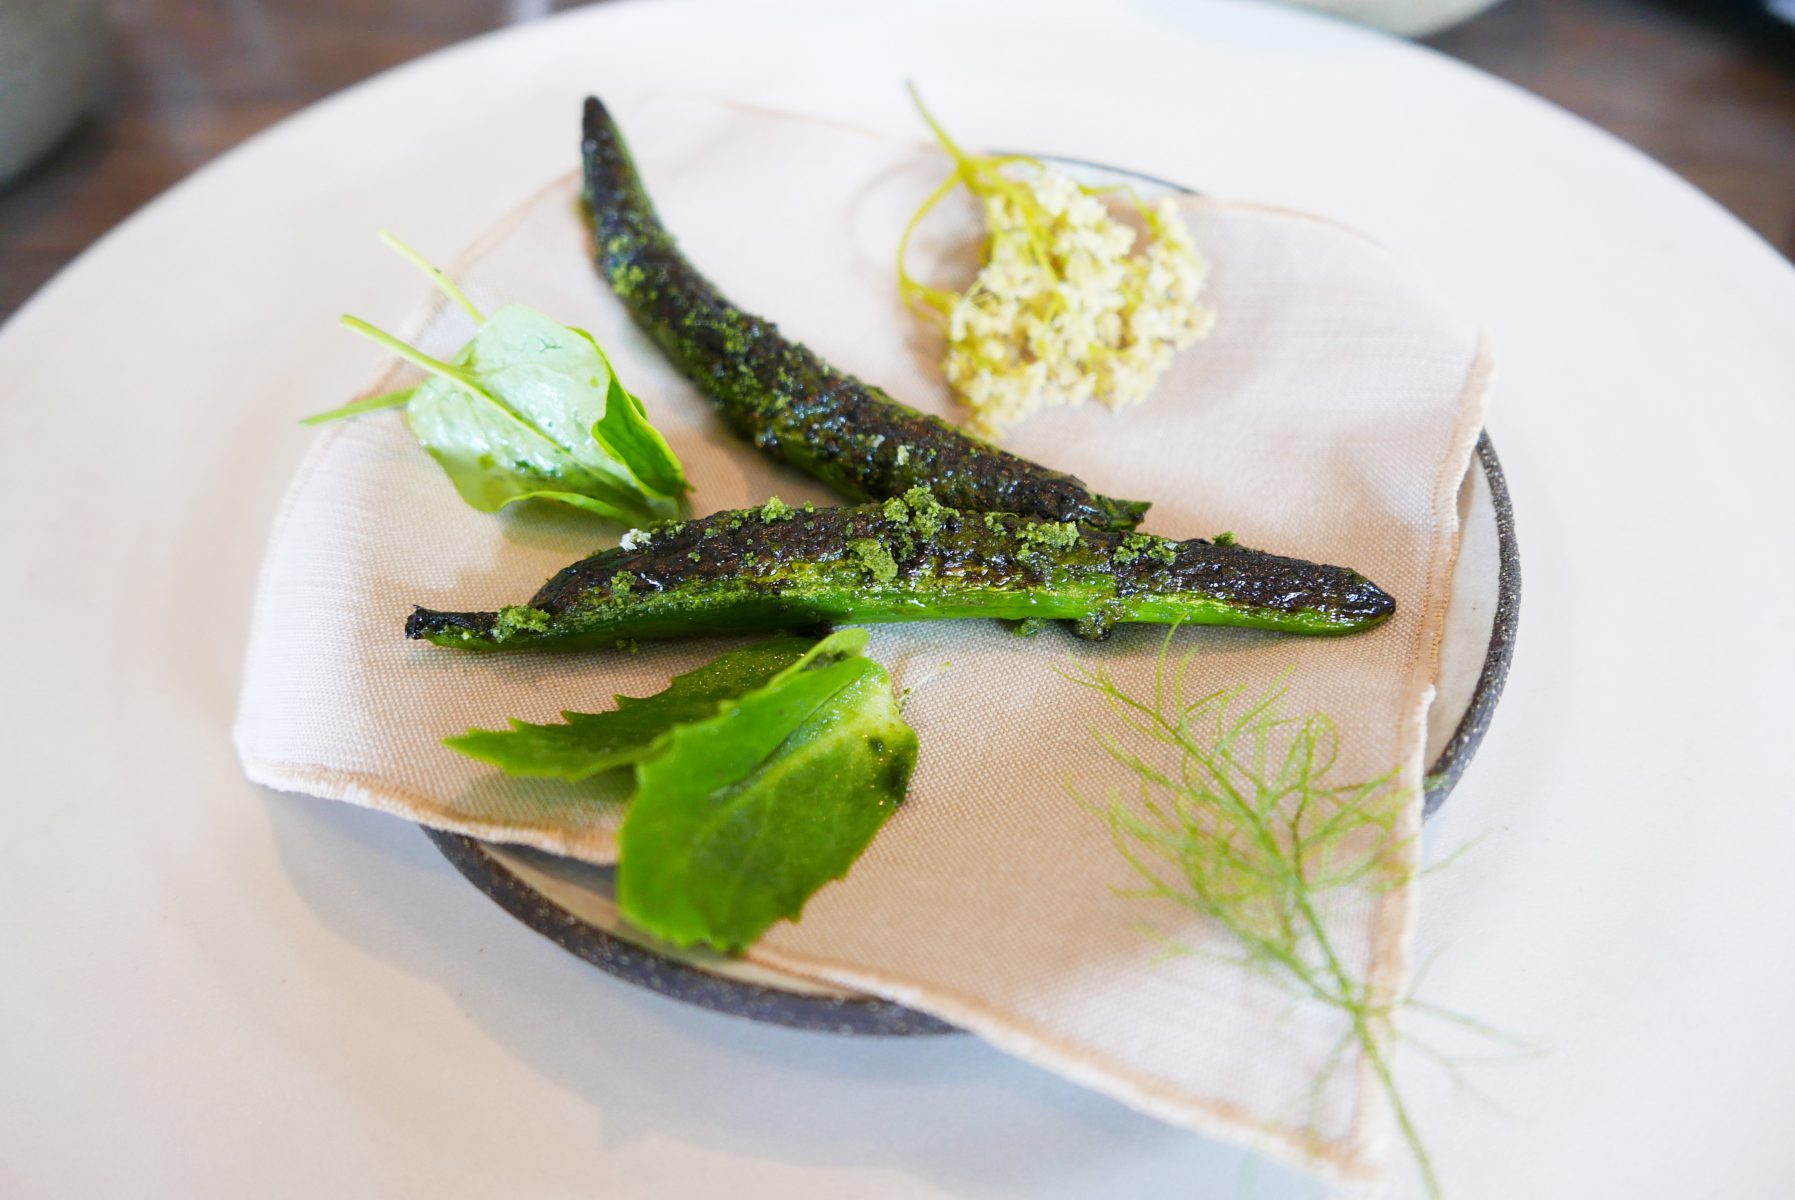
<point x="530" y="409"/>
<point x="759" y="778"/>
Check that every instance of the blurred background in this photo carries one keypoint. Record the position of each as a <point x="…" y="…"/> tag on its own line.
<point x="105" y="103"/>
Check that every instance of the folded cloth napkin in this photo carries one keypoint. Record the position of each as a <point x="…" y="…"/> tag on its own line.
<point x="1330" y="415"/>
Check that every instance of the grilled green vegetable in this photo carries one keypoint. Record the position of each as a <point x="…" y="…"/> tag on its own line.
<point x="908" y="559"/>
<point x="784" y="398"/>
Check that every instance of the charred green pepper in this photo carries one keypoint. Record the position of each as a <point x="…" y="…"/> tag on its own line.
<point x="785" y="399"/>
<point x="910" y="558"/>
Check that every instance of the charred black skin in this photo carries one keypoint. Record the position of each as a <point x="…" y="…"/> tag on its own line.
<point x="909" y="559"/>
<point x="783" y="398"/>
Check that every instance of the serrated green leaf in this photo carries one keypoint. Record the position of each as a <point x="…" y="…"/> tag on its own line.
<point x="739" y="818"/>
<point x="585" y="744"/>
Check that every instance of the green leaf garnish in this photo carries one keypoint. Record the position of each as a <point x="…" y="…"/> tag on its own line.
<point x="530" y="409"/>
<point x="759" y="778"/>
<point x="587" y="743"/>
<point x="745" y="815"/>
<point x="1232" y="810"/>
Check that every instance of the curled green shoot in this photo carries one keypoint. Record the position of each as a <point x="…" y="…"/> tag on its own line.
<point x="982" y="175"/>
<point x="1234" y="813"/>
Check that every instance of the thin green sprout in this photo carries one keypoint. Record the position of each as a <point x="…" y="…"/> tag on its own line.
<point x="443" y="283"/>
<point x="434" y="366"/>
<point x="356" y="408"/>
<point x="409" y="353"/>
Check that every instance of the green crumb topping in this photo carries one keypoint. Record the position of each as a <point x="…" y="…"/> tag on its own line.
<point x="918" y="510"/>
<point x="776" y="510"/>
<point x="1143" y="545"/>
<point x="695" y="556"/>
<point x="622" y="583"/>
<point x="994" y="522"/>
<point x="519" y="618"/>
<point x="810" y="506"/>
<point x="903" y="454"/>
<point x="927" y="514"/>
<point x="1226" y="539"/>
<point x="1048" y="535"/>
<point x="629" y="645"/>
<point x="874" y="558"/>
<point x="1027" y="626"/>
<point x="629" y="278"/>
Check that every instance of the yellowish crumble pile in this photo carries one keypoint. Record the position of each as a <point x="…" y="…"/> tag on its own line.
<point x="1065" y="308"/>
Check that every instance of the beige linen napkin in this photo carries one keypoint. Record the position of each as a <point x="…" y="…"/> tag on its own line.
<point x="1331" y="416"/>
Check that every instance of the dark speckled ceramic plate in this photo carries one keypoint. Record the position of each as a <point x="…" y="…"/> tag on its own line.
<point x="572" y="903"/>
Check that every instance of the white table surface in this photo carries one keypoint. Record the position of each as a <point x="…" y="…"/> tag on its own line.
<point x="210" y="990"/>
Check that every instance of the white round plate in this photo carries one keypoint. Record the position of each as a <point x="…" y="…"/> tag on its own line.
<point x="213" y="990"/>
